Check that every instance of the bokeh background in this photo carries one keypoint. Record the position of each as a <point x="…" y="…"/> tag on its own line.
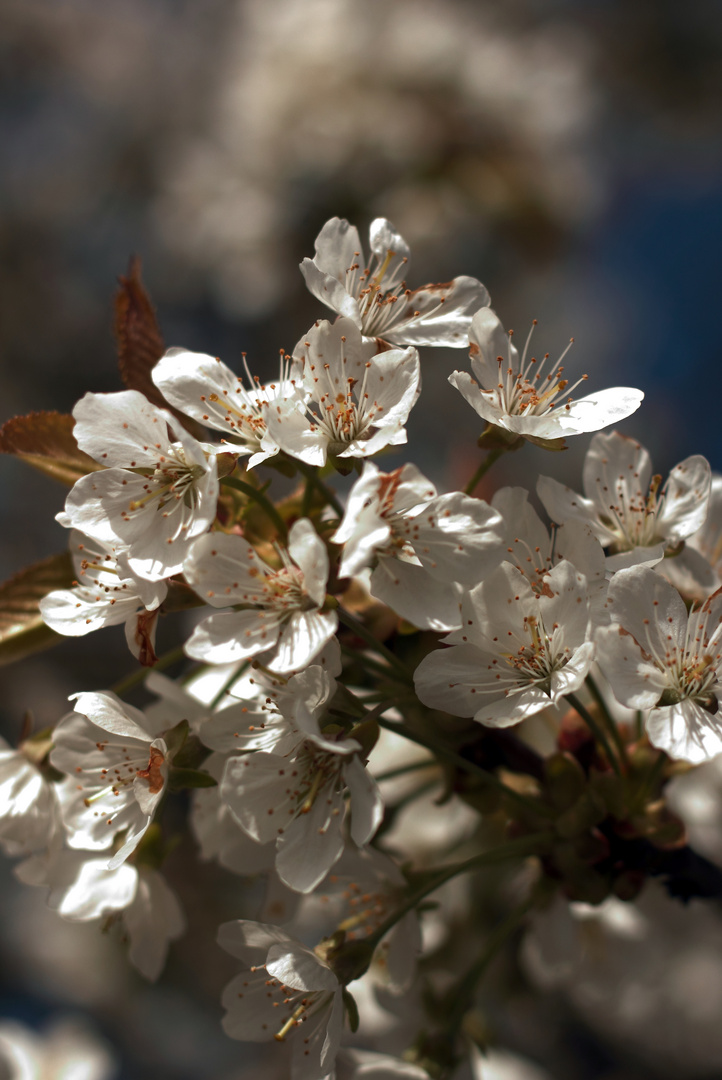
<point x="566" y="152"/>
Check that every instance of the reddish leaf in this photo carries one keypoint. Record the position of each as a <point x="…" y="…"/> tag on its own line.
<point x="140" y="343"/>
<point x="46" y="441"/>
<point x="22" y="630"/>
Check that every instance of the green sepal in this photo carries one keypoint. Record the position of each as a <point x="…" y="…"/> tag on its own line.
<point x="191" y="755"/>
<point x="494" y="437"/>
<point x="151" y="851"/>
<point x="351" y="1009"/>
<point x="366" y="733"/>
<point x="175" y="738"/>
<point x="180" y="779"/>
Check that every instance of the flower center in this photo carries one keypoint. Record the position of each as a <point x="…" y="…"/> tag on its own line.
<point x="524" y="389"/>
<point x="633" y="518"/>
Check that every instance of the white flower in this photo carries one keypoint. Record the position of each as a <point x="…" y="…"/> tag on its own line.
<point x="526" y="399"/>
<point x="516" y="653"/>
<point x="219" y="834"/>
<point x="530" y="548"/>
<point x="107" y="592"/>
<point x="298" y="798"/>
<point x="374" y="295"/>
<point x="203" y="387"/>
<point x="29" y="810"/>
<point x="363" y="889"/>
<point x="422" y="543"/>
<point x="159" y="491"/>
<point x="282" y="614"/>
<point x="285" y="992"/>
<point x="119" y="771"/>
<point x="66" y="1051"/>
<point x="83" y="889"/>
<point x="633" y="515"/>
<point x="362" y="400"/>
<point x="706" y="544"/>
<point x="656" y="656"/>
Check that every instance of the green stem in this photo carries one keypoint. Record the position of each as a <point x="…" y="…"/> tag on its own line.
<point x="638" y="725"/>
<point x="266" y="505"/>
<point x="652" y="778"/>
<point x="596" y="730"/>
<point x="312" y="477"/>
<point x="443" y="752"/>
<point x="463" y="992"/>
<point x="486" y="464"/>
<point x="614" y="730"/>
<point x="365" y="634"/>
<point x="514" y="849"/>
<point x="141" y="674"/>
<point x="307" y="498"/>
<point x="402" y="770"/>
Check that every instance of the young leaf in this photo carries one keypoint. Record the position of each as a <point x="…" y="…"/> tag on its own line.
<point x="46" y="441"/>
<point x="140" y="342"/>
<point x="22" y="630"/>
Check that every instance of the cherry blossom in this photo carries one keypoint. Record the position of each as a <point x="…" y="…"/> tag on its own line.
<point x="284" y="986"/>
<point x="529" y="546"/>
<point x="281" y="616"/>
<point x="363" y="398"/>
<point x="107" y="593"/>
<point x="636" y="517"/>
<point x="374" y="295"/>
<point x="364" y="887"/>
<point x="29" y="811"/>
<point x="422" y="543"/>
<point x="517" y="652"/>
<point x="527" y="399"/>
<point x="202" y="387"/>
<point x="83" y="889"/>
<point x="68" y="1049"/>
<point x="658" y="657"/>
<point x="159" y="490"/>
<point x="119" y="769"/>
<point x="706" y="575"/>
<point x="298" y="798"/>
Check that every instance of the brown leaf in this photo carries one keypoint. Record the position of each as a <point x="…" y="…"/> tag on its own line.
<point x="140" y="342"/>
<point x="46" y="441"/>
<point x="22" y="630"/>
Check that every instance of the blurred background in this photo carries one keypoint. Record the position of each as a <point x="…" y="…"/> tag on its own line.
<point x="565" y="152"/>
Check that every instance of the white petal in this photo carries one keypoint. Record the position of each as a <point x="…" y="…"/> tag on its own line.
<point x="367" y="808"/>
<point x="414" y="595"/>
<point x="437" y="314"/>
<point x="686" y="732"/>
<point x="153" y="920"/>
<point x="301" y="639"/>
<point x="233" y="635"/>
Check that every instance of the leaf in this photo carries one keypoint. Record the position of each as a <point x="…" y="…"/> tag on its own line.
<point x="46" y="441"/>
<point x="22" y="630"/>
<point x="140" y="343"/>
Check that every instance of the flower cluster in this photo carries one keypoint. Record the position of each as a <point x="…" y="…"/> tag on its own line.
<point x="331" y="632"/>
